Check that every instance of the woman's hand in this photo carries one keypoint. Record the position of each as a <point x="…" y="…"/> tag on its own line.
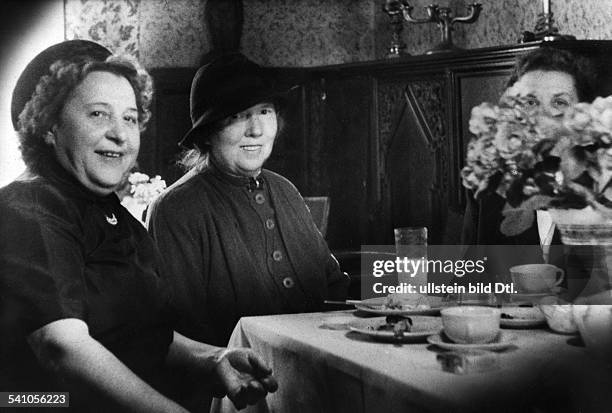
<point x="240" y="374"/>
<point x="243" y="376"/>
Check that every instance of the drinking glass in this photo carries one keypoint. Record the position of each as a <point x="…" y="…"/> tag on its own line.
<point x="411" y="247"/>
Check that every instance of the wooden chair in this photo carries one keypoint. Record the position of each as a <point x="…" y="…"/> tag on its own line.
<point x="319" y="209"/>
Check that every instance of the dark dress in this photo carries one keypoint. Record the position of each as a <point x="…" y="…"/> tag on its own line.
<point x="481" y="231"/>
<point x="235" y="247"/>
<point x="68" y="253"/>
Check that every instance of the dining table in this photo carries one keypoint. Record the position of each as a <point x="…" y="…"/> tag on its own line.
<point x="323" y="366"/>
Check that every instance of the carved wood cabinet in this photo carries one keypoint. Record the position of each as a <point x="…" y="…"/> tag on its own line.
<point x="385" y="140"/>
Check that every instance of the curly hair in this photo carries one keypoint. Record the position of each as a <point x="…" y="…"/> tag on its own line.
<point x="53" y="90"/>
<point x="196" y="159"/>
<point x="550" y="59"/>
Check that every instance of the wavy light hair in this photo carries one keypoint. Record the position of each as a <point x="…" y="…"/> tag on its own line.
<point x="43" y="110"/>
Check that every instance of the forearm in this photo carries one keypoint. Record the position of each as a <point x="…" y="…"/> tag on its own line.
<point x="198" y="358"/>
<point x="84" y="361"/>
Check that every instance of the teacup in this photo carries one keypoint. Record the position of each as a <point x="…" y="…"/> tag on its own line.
<point x="471" y="324"/>
<point x="536" y="278"/>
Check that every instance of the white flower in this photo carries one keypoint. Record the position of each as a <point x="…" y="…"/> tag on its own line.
<point x="145" y="189"/>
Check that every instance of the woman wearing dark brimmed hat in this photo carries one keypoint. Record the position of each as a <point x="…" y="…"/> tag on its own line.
<point x="238" y="240"/>
<point x="83" y="308"/>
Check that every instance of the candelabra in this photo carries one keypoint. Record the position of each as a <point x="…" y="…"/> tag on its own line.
<point x="397" y="47"/>
<point x="442" y="16"/>
<point x="545" y="28"/>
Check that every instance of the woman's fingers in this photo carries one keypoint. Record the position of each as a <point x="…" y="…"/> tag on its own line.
<point x="269" y="383"/>
<point x="248" y="393"/>
<point x="260" y="368"/>
<point x="255" y="392"/>
<point x="246" y="378"/>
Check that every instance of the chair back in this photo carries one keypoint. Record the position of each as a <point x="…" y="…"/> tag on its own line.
<point x="319" y="209"/>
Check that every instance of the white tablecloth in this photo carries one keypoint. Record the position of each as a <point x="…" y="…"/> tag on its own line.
<point x="324" y="370"/>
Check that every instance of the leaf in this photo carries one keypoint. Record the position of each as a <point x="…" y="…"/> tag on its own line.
<point x="520" y="219"/>
<point x="516" y="221"/>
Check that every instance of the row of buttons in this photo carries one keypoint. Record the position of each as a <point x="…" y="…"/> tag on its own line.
<point x="288" y="282"/>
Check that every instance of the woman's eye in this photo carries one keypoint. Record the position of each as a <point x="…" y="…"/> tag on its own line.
<point x="131" y="119"/>
<point x="267" y="111"/>
<point x="560" y="103"/>
<point x="98" y="114"/>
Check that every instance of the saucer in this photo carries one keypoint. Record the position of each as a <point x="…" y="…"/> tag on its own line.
<point x="377" y="306"/>
<point x="502" y="342"/>
<point x="422" y="327"/>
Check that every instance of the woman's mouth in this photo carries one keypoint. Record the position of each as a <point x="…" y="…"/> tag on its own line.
<point x="110" y="154"/>
<point x="250" y="148"/>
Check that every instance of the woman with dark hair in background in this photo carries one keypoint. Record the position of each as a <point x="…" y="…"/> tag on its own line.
<point x="553" y="80"/>
<point x="83" y="307"/>
<point x="238" y="240"/>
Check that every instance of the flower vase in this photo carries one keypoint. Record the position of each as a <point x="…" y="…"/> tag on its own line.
<point x="587" y="239"/>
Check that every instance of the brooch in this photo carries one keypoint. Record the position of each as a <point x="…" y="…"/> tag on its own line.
<point x="112" y="219"/>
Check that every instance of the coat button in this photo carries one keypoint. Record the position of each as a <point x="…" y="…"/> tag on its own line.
<point x="270" y="223"/>
<point x="288" y="282"/>
<point x="260" y="199"/>
<point x="277" y="255"/>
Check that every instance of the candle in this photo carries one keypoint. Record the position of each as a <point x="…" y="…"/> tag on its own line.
<point x="546" y="4"/>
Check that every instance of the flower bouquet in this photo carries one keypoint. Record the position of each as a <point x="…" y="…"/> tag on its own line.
<point x="537" y="161"/>
<point x="142" y="191"/>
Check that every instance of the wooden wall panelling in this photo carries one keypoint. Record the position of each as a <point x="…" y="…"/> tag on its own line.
<point x="170" y="121"/>
<point x="340" y="152"/>
<point x="417" y="158"/>
<point x="316" y="130"/>
<point x="389" y="105"/>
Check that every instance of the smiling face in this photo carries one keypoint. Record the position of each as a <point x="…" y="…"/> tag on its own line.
<point x="553" y="91"/>
<point x="245" y="142"/>
<point x="97" y="137"/>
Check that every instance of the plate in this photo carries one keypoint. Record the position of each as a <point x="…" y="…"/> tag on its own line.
<point x="375" y="306"/>
<point x="422" y="327"/>
<point x="522" y="317"/>
<point x="503" y="341"/>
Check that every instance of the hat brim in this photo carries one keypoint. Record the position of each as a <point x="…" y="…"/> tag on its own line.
<point x="205" y="123"/>
<point x="72" y="50"/>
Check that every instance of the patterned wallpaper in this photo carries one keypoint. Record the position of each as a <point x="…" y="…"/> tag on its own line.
<point x="112" y="23"/>
<point x="308" y="32"/>
<point x="172" y="32"/>
<point x="166" y="33"/>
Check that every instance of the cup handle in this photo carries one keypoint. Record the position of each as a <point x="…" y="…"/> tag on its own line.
<point x="561" y="278"/>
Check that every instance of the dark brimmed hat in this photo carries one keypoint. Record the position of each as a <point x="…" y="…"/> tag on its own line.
<point x="226" y="85"/>
<point x="70" y="50"/>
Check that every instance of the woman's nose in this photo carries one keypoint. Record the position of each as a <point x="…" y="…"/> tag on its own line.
<point x="254" y="127"/>
<point x="117" y="132"/>
<point x="554" y="111"/>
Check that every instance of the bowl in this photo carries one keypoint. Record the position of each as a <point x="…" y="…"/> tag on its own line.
<point x="559" y="315"/>
<point x="471" y="324"/>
